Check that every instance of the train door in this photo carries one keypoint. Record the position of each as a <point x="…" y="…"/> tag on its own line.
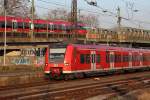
<point x="112" y="59"/>
<point x="130" y="59"/>
<point x="141" y="59"/>
<point x="93" y="60"/>
<point x="14" y="25"/>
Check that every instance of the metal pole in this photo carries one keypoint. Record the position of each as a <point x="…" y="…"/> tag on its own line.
<point x="119" y="26"/>
<point x="32" y="25"/>
<point x="5" y="38"/>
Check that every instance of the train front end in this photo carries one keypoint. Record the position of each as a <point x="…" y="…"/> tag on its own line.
<point x="54" y="63"/>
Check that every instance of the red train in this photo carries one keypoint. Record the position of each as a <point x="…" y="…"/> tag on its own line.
<point x="77" y="61"/>
<point x="17" y="26"/>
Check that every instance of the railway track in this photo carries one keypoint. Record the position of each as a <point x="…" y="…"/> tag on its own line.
<point x="73" y="89"/>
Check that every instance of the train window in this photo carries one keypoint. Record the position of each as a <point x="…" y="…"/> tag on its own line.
<point x="20" y="25"/>
<point x="15" y="25"/>
<point x="9" y="24"/>
<point x="68" y="28"/>
<point x="119" y="58"/>
<point x="125" y="58"/>
<point x="55" y="27"/>
<point x="63" y="27"/>
<point x="2" y="24"/>
<point x="42" y="26"/>
<point x="82" y="59"/>
<point x="26" y="25"/>
<point x="134" y="58"/>
<point x="141" y="58"/>
<point x="107" y="56"/>
<point x="87" y="58"/>
<point x="98" y="58"/>
<point x="51" y="27"/>
<point x="116" y="58"/>
<point x="93" y="58"/>
<point x="111" y="58"/>
<point x="30" y="25"/>
<point x="57" y="54"/>
<point x="59" y="27"/>
<point x="36" y="26"/>
<point x="145" y="58"/>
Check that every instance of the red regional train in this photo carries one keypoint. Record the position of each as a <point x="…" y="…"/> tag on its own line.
<point x="78" y="61"/>
<point x="17" y="26"/>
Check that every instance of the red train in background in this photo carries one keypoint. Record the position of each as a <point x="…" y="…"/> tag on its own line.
<point x="77" y="61"/>
<point x="18" y="26"/>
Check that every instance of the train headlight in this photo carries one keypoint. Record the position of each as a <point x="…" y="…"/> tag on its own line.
<point x="46" y="64"/>
<point x="66" y="64"/>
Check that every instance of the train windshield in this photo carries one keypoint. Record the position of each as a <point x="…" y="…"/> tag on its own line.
<point x="57" y="54"/>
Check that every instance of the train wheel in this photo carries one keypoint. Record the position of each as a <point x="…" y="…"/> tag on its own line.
<point x="61" y="77"/>
<point x="50" y="77"/>
<point x="66" y="77"/>
<point x="79" y="75"/>
<point x="69" y="77"/>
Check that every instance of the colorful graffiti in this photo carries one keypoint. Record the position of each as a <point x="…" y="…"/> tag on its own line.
<point x="33" y="52"/>
<point x="21" y="61"/>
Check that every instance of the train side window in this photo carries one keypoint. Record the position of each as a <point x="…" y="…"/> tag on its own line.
<point x="20" y="25"/>
<point x="44" y="26"/>
<point x="15" y="25"/>
<point x="98" y="58"/>
<point x="59" y="27"/>
<point x="55" y="27"/>
<point x="87" y="58"/>
<point x="111" y="58"/>
<point x="141" y="58"/>
<point x="36" y="26"/>
<point x="9" y="24"/>
<point x="107" y="57"/>
<point x="63" y="27"/>
<point x="26" y="25"/>
<point x="82" y="59"/>
<point x="117" y="58"/>
<point x="68" y="28"/>
<point x="2" y="24"/>
<point x="30" y="25"/>
<point x="51" y="27"/>
<point x="93" y="58"/>
<point x="133" y="58"/>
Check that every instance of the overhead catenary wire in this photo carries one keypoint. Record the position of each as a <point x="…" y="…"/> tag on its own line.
<point x="104" y="11"/>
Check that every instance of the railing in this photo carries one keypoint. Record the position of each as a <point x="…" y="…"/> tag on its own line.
<point x="92" y="35"/>
<point x="123" y="36"/>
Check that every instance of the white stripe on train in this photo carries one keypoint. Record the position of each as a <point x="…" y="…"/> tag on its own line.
<point x="105" y="69"/>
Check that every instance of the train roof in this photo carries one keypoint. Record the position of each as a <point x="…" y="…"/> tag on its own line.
<point x="40" y="21"/>
<point x="101" y="46"/>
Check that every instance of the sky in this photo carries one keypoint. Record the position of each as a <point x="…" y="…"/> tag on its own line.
<point x="136" y="11"/>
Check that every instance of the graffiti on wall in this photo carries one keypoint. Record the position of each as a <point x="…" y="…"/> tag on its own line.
<point x="39" y="61"/>
<point x="33" y="52"/>
<point x="27" y="56"/>
<point x="21" y="61"/>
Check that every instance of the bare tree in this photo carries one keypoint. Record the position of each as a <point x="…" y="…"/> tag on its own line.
<point x="91" y="20"/>
<point x="58" y="13"/>
<point x="16" y="7"/>
<point x="62" y="14"/>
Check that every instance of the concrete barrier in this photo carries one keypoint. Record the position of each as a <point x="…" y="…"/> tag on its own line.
<point x="21" y="78"/>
